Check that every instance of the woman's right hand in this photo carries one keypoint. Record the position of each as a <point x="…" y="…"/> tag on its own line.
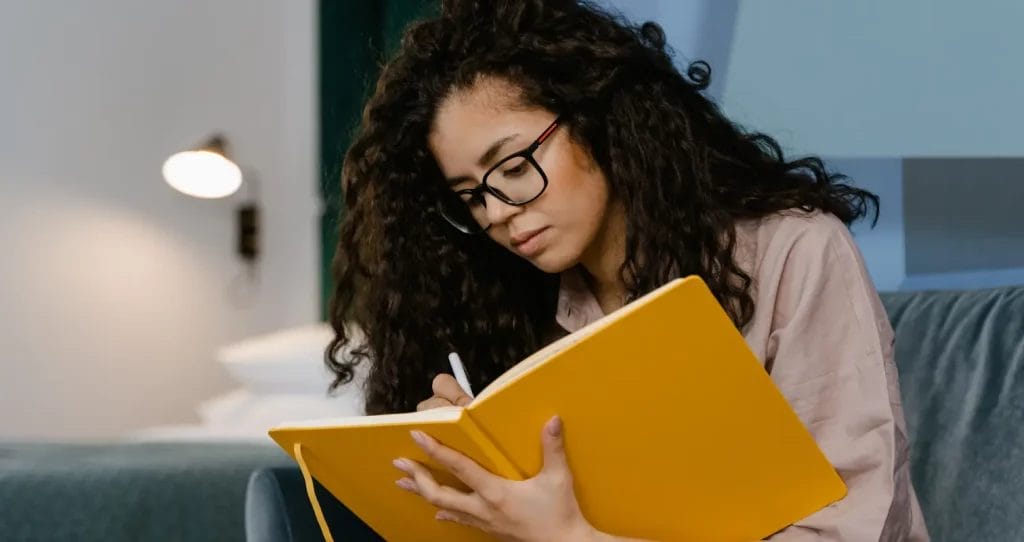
<point x="447" y="392"/>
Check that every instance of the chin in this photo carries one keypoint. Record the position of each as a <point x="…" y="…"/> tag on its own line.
<point x="553" y="263"/>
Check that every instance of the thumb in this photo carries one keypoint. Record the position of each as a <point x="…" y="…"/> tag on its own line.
<point x="554" y="449"/>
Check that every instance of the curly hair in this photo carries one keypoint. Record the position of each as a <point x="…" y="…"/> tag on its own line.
<point x="417" y="289"/>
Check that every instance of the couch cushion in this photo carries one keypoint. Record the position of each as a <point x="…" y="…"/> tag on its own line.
<point x="961" y="362"/>
<point x="277" y="510"/>
<point x="127" y="492"/>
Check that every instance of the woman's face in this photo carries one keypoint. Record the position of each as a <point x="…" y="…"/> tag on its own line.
<point x="554" y="231"/>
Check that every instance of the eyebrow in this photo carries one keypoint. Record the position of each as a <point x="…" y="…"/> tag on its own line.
<point x="485" y="158"/>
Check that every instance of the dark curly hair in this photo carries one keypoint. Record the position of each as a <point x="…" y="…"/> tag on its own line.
<point x="685" y="174"/>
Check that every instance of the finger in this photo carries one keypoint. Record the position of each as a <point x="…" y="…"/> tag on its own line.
<point x="433" y="402"/>
<point x="407" y="484"/>
<point x="436" y="494"/>
<point x="555" y="462"/>
<point x="445" y="385"/>
<point x="461" y="518"/>
<point x="464" y="468"/>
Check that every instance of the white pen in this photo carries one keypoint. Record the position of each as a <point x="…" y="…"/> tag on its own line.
<point x="459" y="371"/>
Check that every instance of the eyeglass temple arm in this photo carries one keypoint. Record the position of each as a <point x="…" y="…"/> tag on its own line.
<point x="545" y="135"/>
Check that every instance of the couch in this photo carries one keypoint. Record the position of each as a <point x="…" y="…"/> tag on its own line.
<point x="112" y="492"/>
<point x="961" y="361"/>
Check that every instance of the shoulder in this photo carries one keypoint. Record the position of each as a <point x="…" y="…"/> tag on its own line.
<point x="799" y="258"/>
<point x="811" y="240"/>
<point x="809" y="283"/>
<point x="793" y="226"/>
<point x="807" y="263"/>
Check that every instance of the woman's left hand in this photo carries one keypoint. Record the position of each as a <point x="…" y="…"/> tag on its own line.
<point x="541" y="508"/>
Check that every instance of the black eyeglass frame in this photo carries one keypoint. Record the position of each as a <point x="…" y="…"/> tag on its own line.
<point x="478" y="190"/>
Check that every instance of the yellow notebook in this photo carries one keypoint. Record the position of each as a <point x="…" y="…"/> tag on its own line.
<point x="672" y="427"/>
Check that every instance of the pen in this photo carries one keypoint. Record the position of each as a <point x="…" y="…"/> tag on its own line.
<point x="459" y="371"/>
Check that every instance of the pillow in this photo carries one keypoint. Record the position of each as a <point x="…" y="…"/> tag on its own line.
<point x="240" y="410"/>
<point x="287" y="361"/>
<point x="241" y="416"/>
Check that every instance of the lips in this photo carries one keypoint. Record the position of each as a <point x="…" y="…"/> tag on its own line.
<point x="524" y="237"/>
<point x="530" y="243"/>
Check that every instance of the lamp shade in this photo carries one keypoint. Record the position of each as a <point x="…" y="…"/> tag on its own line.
<point x="203" y="172"/>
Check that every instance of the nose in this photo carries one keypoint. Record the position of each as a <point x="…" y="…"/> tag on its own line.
<point x="498" y="211"/>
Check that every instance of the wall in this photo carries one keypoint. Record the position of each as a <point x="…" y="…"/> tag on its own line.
<point x="883" y="245"/>
<point x="921" y="83"/>
<point x="964" y="222"/>
<point x="913" y="100"/>
<point x="879" y="78"/>
<point x="114" y="289"/>
<point x="695" y="30"/>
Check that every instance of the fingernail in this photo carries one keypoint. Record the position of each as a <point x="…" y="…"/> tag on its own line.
<point x="419" y="437"/>
<point x="555" y="427"/>
<point x="401" y="464"/>
<point x="443" y="516"/>
<point x="406" y="484"/>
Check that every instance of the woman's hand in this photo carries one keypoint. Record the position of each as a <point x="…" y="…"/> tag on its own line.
<point x="541" y="508"/>
<point x="447" y="392"/>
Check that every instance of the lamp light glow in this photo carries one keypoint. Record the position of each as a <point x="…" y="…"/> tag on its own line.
<point x="204" y="172"/>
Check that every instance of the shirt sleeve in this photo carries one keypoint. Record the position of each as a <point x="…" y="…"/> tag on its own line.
<point x="830" y="352"/>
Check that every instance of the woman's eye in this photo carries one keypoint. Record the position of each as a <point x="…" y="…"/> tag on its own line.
<point x="516" y="170"/>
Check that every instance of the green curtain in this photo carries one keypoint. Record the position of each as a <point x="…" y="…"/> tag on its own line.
<point x="354" y="37"/>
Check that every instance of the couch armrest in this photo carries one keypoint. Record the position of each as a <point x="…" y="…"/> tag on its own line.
<point x="278" y="510"/>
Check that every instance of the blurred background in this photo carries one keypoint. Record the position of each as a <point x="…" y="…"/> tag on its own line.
<point x="131" y="310"/>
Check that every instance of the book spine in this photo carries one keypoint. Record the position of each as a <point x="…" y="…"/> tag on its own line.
<point x="502" y="465"/>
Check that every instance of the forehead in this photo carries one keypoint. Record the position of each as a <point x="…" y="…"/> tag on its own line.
<point x="469" y="121"/>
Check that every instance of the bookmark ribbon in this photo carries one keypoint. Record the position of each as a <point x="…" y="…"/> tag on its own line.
<point x="311" y="492"/>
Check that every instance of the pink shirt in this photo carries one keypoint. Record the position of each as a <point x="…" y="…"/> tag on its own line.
<point x="824" y="337"/>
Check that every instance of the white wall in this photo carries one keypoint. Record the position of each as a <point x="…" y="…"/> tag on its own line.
<point x="114" y="289"/>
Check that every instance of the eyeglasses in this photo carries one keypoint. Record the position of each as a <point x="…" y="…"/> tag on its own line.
<point x="516" y="180"/>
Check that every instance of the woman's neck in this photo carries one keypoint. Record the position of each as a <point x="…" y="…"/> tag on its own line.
<point x="604" y="258"/>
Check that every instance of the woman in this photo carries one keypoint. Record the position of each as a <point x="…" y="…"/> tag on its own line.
<point x="524" y="167"/>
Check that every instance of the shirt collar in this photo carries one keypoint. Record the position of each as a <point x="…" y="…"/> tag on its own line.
<point x="577" y="305"/>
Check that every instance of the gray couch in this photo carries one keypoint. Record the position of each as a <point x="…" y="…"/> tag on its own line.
<point x="131" y="492"/>
<point x="961" y="361"/>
